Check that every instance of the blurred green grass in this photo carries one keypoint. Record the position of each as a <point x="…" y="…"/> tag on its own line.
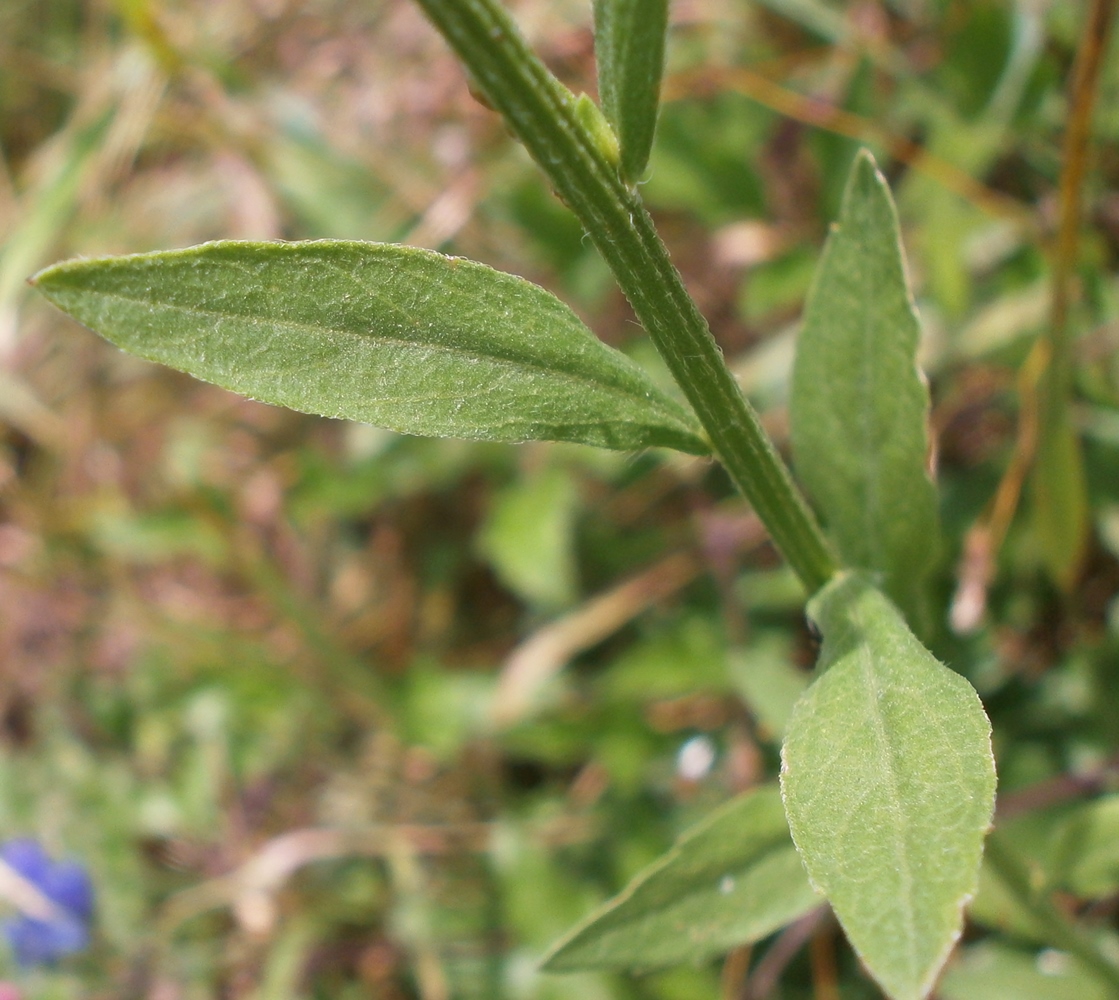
<point x="233" y="636"/>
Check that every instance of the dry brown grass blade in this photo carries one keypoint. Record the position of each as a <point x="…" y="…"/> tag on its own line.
<point x="984" y="539"/>
<point x="830" y="118"/>
<point x="250" y="889"/>
<point x="545" y="653"/>
<point x="1045" y="377"/>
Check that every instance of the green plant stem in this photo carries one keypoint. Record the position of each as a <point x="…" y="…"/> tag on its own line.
<point x="540" y="112"/>
<point x="1059" y="931"/>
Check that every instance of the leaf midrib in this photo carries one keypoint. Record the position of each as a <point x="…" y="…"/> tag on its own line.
<point x="511" y="361"/>
<point x="867" y="667"/>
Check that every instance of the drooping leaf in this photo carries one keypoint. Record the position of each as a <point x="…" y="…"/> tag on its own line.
<point x="889" y="786"/>
<point x="629" y="48"/>
<point x="859" y="405"/>
<point x="733" y="879"/>
<point x="402" y="338"/>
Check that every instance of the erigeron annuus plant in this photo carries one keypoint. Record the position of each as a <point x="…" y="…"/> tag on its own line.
<point x="887" y="783"/>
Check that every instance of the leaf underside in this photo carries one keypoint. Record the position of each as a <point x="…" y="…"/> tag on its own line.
<point x="889" y="784"/>
<point x="733" y="879"/>
<point x="402" y="338"/>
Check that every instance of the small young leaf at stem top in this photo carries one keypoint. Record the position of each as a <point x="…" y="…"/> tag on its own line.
<point x="889" y="786"/>
<point x="733" y="879"/>
<point x="629" y="40"/>
<point x="859" y="405"/>
<point x="402" y="338"/>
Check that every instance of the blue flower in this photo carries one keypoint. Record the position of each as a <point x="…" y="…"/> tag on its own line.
<point x="39" y="939"/>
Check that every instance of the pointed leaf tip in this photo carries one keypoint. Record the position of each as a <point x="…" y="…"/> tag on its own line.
<point x="733" y="879"/>
<point x="859" y="404"/>
<point x="394" y="336"/>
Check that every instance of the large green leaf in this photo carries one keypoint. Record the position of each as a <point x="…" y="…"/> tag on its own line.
<point x="629" y="48"/>
<point x="859" y="405"/>
<point x="733" y="879"/>
<point x="394" y="336"/>
<point x="889" y="786"/>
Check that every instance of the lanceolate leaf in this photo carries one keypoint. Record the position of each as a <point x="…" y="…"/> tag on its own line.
<point x="629" y="47"/>
<point x="859" y="404"/>
<point x="889" y="786"/>
<point x="733" y="879"/>
<point x="402" y="338"/>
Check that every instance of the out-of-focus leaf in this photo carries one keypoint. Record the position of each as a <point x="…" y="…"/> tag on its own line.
<point x="976" y="55"/>
<point x="777" y="285"/>
<point x="1027" y="44"/>
<point x="1012" y="316"/>
<point x="442" y="709"/>
<point x="688" y="656"/>
<point x="154" y="537"/>
<point x="1060" y="496"/>
<point x="835" y="153"/>
<point x="889" y="785"/>
<point x="1087" y="849"/>
<point x="402" y="338"/>
<point x="734" y="878"/>
<point x="820" y="18"/>
<point x="859" y="405"/>
<point x="48" y="206"/>
<point x="948" y="221"/>
<point x="327" y="194"/>
<point x="629" y="47"/>
<point x="703" y="162"/>
<point x="996" y="906"/>
<point x="991" y="971"/>
<point x="768" y="681"/>
<point x="528" y="538"/>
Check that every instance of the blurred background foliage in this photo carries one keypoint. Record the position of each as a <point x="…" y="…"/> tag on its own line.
<point x="329" y="712"/>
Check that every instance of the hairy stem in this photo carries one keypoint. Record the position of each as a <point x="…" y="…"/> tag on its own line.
<point x="540" y="112"/>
